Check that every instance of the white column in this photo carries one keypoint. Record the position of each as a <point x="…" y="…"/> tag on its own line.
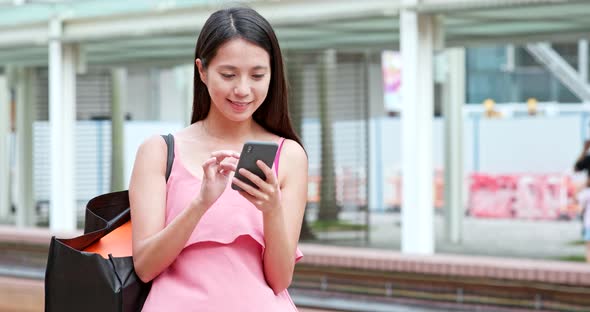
<point x="184" y="84"/>
<point x="24" y="99"/>
<point x="376" y="110"/>
<point x="4" y="159"/>
<point x="119" y="96"/>
<point x="62" y="81"/>
<point x="583" y="59"/>
<point x="416" y="33"/>
<point x="453" y="113"/>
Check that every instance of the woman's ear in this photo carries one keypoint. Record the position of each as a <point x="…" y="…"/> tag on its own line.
<point x="202" y="72"/>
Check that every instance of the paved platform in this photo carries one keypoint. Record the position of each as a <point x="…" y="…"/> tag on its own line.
<point x="508" y="238"/>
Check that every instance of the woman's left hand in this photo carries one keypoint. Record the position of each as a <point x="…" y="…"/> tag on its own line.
<point x="266" y="197"/>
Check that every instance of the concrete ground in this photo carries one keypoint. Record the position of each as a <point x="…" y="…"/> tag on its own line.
<point x="534" y="239"/>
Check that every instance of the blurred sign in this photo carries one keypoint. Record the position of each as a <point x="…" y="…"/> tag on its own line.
<point x="391" y="63"/>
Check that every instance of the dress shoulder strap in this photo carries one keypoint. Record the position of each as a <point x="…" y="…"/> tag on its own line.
<point x="278" y="155"/>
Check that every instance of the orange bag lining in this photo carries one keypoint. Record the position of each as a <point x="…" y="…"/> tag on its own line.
<point x="117" y="243"/>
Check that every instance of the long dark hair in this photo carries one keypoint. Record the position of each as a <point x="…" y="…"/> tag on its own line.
<point x="247" y="24"/>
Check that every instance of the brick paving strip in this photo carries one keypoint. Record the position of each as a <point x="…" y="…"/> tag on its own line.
<point x="21" y="295"/>
<point x="558" y="272"/>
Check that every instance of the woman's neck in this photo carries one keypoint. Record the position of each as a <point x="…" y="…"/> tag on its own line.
<point x="220" y="128"/>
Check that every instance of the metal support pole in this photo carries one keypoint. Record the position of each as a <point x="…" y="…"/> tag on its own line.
<point x="119" y="79"/>
<point x="4" y="156"/>
<point x="453" y="113"/>
<point x="583" y="59"/>
<point x="24" y="97"/>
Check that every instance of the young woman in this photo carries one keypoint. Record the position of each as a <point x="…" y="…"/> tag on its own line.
<point x="205" y="246"/>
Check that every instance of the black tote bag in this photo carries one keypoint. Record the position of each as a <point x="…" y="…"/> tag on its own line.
<point x="76" y="280"/>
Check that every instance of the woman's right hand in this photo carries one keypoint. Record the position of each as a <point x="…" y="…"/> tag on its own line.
<point x="216" y="175"/>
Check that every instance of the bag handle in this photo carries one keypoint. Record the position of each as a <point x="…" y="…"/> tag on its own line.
<point x="111" y="210"/>
<point x="121" y="218"/>
<point x="169" y="138"/>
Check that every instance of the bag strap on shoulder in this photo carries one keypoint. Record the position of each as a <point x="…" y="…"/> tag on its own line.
<point x="169" y="138"/>
<point x="109" y="211"/>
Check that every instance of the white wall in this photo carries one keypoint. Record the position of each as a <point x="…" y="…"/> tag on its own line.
<point x="522" y="145"/>
<point x="533" y="145"/>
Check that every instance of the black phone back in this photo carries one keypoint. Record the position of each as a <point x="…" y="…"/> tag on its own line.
<point x="251" y="152"/>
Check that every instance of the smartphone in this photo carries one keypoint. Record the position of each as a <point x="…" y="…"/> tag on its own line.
<point x="251" y="152"/>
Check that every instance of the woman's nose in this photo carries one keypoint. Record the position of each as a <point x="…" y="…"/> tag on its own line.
<point x="242" y="89"/>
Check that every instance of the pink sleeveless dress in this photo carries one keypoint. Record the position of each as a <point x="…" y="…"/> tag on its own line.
<point x="220" y="268"/>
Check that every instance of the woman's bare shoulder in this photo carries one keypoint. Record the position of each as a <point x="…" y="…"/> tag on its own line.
<point x="294" y="150"/>
<point x="150" y="153"/>
<point x="151" y="145"/>
<point x="293" y="160"/>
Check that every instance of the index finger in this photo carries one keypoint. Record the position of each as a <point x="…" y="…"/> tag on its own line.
<point x="221" y="155"/>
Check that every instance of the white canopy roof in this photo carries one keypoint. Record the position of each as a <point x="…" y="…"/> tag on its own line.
<point x="125" y="32"/>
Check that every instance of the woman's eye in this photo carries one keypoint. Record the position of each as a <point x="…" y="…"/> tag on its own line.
<point x="227" y="75"/>
<point x="258" y="76"/>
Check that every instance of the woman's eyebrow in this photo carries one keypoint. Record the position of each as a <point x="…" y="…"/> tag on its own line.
<point x="227" y="67"/>
<point x="231" y="67"/>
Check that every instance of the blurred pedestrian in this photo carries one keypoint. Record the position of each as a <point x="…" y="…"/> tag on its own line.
<point x="204" y="246"/>
<point x="583" y="164"/>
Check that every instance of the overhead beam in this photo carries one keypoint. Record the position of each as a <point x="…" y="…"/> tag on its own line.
<point x="183" y="20"/>
<point x="145" y="42"/>
<point x="117" y="52"/>
<point x="350" y="41"/>
<point x="446" y="6"/>
<point x="106" y="53"/>
<point x="191" y="20"/>
<point x="24" y="35"/>
<point x="554" y="37"/>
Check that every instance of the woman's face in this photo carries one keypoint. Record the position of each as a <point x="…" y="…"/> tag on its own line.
<point x="237" y="79"/>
